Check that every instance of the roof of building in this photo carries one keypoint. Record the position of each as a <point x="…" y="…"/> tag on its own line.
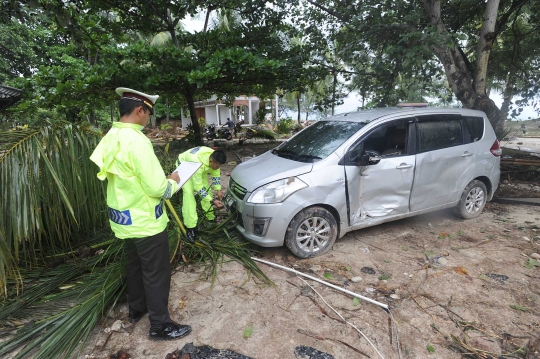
<point x="9" y="96"/>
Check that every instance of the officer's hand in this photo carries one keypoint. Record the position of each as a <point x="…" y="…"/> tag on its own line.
<point x="174" y="176"/>
<point x="220" y="194"/>
<point x="218" y="204"/>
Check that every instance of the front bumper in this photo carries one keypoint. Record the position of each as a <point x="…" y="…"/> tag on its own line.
<point x="271" y="219"/>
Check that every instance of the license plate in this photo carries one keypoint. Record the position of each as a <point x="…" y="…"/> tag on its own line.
<point x="228" y="200"/>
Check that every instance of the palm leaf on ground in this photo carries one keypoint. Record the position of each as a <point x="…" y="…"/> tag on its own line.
<point x="49" y="193"/>
<point x="66" y="280"/>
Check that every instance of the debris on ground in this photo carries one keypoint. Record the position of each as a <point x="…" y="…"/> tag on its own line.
<point x="190" y="351"/>
<point x="120" y="355"/>
<point x="303" y="352"/>
<point x="367" y="270"/>
<point x="498" y="277"/>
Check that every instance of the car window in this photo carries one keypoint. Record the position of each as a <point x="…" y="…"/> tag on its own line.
<point x="318" y="141"/>
<point x="475" y="126"/>
<point x="388" y="140"/>
<point x="434" y="135"/>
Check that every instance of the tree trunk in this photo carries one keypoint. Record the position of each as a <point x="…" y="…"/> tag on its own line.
<point x="193" y="115"/>
<point x="483" y="48"/>
<point x="298" y="94"/>
<point x="507" y="100"/>
<point x="334" y="84"/>
<point x="471" y="94"/>
<point x="92" y="118"/>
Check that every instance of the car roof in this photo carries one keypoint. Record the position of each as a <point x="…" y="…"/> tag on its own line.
<point x="374" y="114"/>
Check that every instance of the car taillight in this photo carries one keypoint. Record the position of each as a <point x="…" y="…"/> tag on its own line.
<point x="495" y="149"/>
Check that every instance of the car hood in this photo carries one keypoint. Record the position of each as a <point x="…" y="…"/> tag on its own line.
<point x="267" y="168"/>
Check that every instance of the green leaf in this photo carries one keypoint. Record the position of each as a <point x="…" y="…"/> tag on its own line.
<point x="519" y="307"/>
<point x="355" y="301"/>
<point x="328" y="275"/>
<point x="384" y="277"/>
<point x="531" y="263"/>
<point x="248" y="331"/>
<point x="348" y="268"/>
<point x="430" y="349"/>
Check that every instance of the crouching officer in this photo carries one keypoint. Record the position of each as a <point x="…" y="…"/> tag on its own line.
<point x="198" y="184"/>
<point x="136" y="190"/>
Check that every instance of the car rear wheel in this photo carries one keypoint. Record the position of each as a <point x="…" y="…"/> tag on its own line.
<point x="472" y="201"/>
<point x="311" y="232"/>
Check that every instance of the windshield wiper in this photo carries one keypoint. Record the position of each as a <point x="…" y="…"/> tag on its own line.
<point x="309" y="157"/>
<point x="296" y="156"/>
<point x="285" y="153"/>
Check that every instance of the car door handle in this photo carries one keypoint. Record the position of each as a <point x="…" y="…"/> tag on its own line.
<point x="403" y="165"/>
<point x="466" y="154"/>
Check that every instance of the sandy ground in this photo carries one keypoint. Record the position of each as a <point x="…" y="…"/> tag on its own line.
<point x="442" y="278"/>
<point x="480" y="291"/>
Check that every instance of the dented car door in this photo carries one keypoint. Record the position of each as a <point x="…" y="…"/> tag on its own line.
<point x="380" y="191"/>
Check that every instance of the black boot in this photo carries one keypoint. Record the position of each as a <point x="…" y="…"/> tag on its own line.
<point x="169" y="331"/>
<point x="191" y="235"/>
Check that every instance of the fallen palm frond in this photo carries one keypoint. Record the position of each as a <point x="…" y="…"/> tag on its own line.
<point x="61" y="306"/>
<point x="69" y="275"/>
<point x="49" y="193"/>
<point x="216" y="242"/>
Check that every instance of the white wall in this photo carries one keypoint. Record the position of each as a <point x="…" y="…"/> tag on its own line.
<point x="224" y="112"/>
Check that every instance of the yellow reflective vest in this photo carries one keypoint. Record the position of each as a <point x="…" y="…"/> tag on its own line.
<point x="201" y="154"/>
<point x="136" y="183"/>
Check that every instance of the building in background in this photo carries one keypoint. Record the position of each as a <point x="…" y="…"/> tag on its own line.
<point x="215" y="111"/>
<point x="8" y="96"/>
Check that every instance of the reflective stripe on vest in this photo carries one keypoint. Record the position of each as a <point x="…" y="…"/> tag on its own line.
<point x="159" y="209"/>
<point x="120" y="217"/>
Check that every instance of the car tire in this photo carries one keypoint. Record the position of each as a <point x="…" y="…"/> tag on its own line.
<point x="472" y="201"/>
<point x="311" y="232"/>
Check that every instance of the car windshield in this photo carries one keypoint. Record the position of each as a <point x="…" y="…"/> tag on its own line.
<point x="317" y="141"/>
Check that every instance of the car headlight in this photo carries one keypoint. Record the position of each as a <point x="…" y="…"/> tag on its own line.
<point x="277" y="191"/>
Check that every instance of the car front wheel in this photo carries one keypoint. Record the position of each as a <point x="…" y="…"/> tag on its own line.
<point x="311" y="232"/>
<point x="472" y="201"/>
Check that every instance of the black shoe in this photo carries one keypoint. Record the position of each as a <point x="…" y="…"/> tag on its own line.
<point x="191" y="235"/>
<point x="170" y="331"/>
<point x="134" y="315"/>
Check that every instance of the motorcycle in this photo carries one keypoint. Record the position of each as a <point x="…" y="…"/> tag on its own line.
<point x="238" y="129"/>
<point x="211" y="134"/>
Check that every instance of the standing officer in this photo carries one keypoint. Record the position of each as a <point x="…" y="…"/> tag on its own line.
<point x="211" y="162"/>
<point x="136" y="190"/>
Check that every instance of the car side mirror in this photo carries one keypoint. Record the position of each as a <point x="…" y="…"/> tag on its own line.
<point x="370" y="157"/>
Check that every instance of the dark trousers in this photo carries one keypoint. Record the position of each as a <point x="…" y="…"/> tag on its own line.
<point x="149" y="276"/>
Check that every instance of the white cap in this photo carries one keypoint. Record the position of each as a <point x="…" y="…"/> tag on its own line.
<point x="125" y="92"/>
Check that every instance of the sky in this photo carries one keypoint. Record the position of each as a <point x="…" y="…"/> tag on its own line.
<point x="353" y="101"/>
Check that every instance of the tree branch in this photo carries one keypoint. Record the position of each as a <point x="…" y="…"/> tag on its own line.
<point x="329" y="11"/>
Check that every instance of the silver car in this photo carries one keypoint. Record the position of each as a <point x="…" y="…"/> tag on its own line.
<point x="361" y="169"/>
